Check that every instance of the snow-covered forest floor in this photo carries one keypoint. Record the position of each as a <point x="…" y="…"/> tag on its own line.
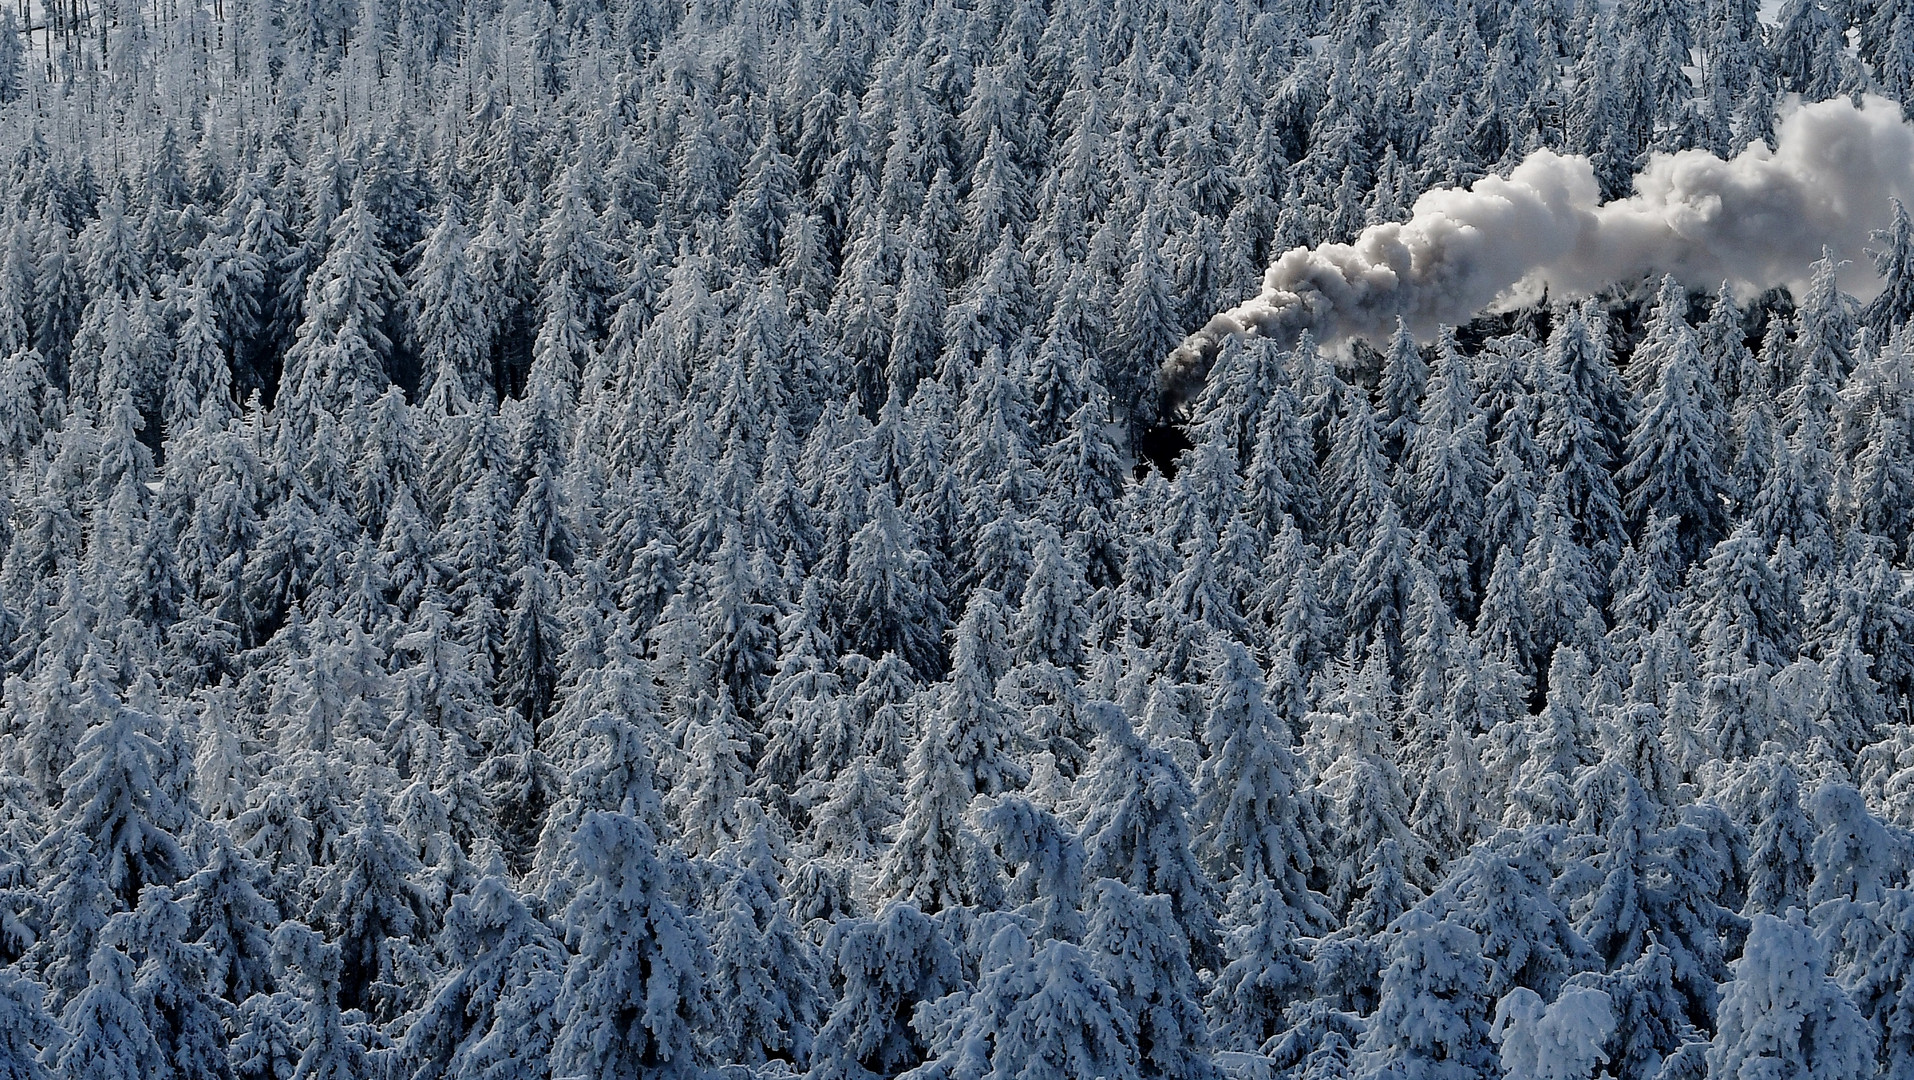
<point x="625" y="538"/>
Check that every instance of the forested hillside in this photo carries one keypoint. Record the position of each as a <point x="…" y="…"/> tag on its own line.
<point x="622" y="538"/>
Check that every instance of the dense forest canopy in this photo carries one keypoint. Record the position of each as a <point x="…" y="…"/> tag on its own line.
<point x="625" y="538"/>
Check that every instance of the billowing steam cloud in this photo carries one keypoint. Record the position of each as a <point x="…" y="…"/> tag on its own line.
<point x="1756" y="220"/>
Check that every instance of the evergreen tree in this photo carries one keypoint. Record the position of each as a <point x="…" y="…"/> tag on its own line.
<point x="1359" y="786"/>
<point x="492" y="1010"/>
<point x="1265" y="970"/>
<point x="452" y="338"/>
<point x="1039" y="1013"/>
<point x="1450" y="462"/>
<point x="170" y="985"/>
<point x="229" y="916"/>
<point x="367" y="901"/>
<point x="932" y="861"/>
<point x="326" y="1049"/>
<point x="1431" y="1019"/>
<point x="712" y="783"/>
<point x="1648" y="1024"/>
<point x="891" y="591"/>
<point x="1852" y="851"/>
<point x="1137" y="831"/>
<point x="107" y="1034"/>
<point x="1563" y="1039"/>
<point x="633" y="944"/>
<point x="12" y="63"/>
<point x="1250" y="818"/>
<point x="765" y="974"/>
<point x="1579" y="391"/>
<point x="1876" y="986"/>
<point x="1135" y="943"/>
<point x="338" y="357"/>
<point x="983" y="732"/>
<point x="1894" y="261"/>
<point x="114" y="796"/>
<point x="1780" y="868"/>
<point x="1671" y="467"/>
<point x="1782" y="1013"/>
<point x="1823" y="347"/>
<point x="887" y="966"/>
<point x="1741" y="637"/>
<point x="1405" y="379"/>
<point x="29" y="1032"/>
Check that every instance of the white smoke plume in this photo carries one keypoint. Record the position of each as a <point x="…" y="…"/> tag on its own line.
<point x="1756" y="220"/>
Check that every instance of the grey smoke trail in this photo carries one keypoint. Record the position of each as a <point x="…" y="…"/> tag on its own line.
<point x="1756" y="220"/>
